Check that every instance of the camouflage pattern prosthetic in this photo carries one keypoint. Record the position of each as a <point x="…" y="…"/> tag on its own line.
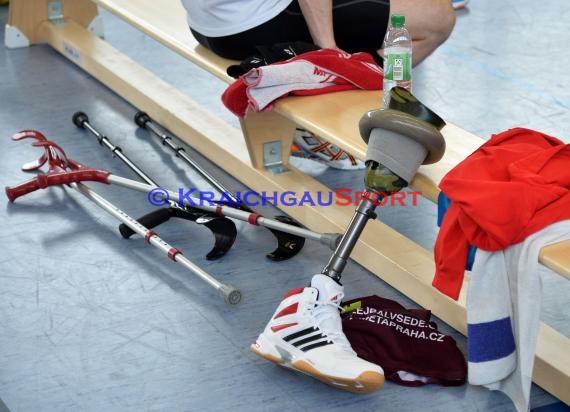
<point x="378" y="178"/>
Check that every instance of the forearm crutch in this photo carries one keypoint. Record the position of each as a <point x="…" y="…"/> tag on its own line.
<point x="223" y="229"/>
<point x="75" y="172"/>
<point x="59" y="165"/>
<point x="289" y="237"/>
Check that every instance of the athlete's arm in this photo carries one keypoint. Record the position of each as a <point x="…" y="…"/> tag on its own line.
<point x="318" y="15"/>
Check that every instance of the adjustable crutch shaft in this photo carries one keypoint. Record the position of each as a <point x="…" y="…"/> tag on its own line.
<point x="81" y="120"/>
<point x="181" y="152"/>
<point x="230" y="294"/>
<point x="143" y="120"/>
<point x="232" y="212"/>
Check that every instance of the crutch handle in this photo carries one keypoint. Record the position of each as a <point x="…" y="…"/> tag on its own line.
<point x="56" y="179"/>
<point x="15" y="192"/>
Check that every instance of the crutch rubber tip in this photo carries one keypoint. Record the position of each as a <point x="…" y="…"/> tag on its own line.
<point x="141" y="119"/>
<point x="230" y="294"/>
<point x="79" y="118"/>
<point x="10" y="194"/>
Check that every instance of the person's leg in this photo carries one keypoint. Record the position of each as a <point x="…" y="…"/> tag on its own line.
<point x="430" y="23"/>
<point x="360" y="26"/>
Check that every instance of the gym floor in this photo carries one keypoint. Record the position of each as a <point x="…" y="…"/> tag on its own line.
<point x="93" y="322"/>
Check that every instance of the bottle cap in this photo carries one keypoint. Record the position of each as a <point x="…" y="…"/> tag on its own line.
<point x="397" y="20"/>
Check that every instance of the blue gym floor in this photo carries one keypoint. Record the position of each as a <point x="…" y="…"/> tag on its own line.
<point x="92" y="322"/>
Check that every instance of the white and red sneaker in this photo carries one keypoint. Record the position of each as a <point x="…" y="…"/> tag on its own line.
<point x="305" y="334"/>
<point x="459" y="4"/>
<point x="308" y="145"/>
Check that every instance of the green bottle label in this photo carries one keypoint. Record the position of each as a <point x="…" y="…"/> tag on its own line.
<point x="399" y="67"/>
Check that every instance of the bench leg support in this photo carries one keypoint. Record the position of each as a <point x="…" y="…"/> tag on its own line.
<point x="268" y="137"/>
<point x="25" y="19"/>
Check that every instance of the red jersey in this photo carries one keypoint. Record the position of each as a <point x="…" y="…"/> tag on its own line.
<point x="515" y="184"/>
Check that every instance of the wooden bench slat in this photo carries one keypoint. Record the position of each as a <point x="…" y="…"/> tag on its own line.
<point x="557" y="257"/>
<point x="165" y="21"/>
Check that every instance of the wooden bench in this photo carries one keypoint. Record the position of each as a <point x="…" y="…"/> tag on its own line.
<point x="262" y="147"/>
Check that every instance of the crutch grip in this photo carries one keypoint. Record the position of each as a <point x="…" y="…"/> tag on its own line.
<point x="24" y="188"/>
<point x="56" y="179"/>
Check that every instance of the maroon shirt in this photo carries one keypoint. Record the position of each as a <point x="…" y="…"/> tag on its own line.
<point x="398" y="339"/>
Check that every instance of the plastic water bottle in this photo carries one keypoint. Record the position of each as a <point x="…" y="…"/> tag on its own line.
<point x="397" y="56"/>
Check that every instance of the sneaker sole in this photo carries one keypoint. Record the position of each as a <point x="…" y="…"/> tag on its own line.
<point x="366" y="382"/>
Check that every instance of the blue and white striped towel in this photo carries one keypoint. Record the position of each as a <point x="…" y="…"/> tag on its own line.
<point x="503" y="314"/>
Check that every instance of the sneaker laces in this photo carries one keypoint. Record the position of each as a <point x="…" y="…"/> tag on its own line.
<point x="327" y="318"/>
<point x="333" y="152"/>
<point x="308" y="145"/>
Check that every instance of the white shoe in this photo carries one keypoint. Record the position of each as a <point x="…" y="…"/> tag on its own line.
<point x="306" y="144"/>
<point x="459" y="4"/>
<point x="305" y="334"/>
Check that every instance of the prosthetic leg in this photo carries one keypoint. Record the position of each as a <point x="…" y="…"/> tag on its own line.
<point x="398" y="143"/>
<point x="305" y="332"/>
